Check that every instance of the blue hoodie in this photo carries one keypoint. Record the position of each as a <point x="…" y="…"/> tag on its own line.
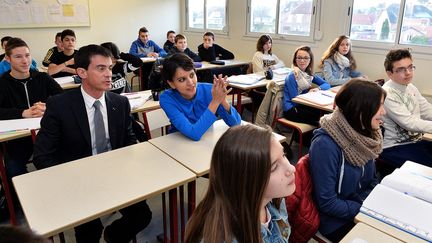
<point x="337" y="208"/>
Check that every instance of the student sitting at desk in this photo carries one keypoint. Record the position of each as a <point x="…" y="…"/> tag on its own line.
<point x="301" y="83"/>
<point x="53" y="51"/>
<point x="338" y="64"/>
<point x="144" y="47"/>
<point x="181" y="47"/>
<point x="4" y="41"/>
<point x="209" y="51"/>
<point x="23" y="94"/>
<point x="62" y="63"/>
<point x="169" y="43"/>
<point x="249" y="178"/>
<point x="342" y="156"/>
<point x="193" y="107"/>
<point x="128" y="63"/>
<point x="85" y="122"/>
<point x="264" y="58"/>
<point x="409" y="114"/>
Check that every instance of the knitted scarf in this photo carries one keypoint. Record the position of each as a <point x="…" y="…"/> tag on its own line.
<point x="358" y="149"/>
<point x="304" y="81"/>
<point x="342" y="61"/>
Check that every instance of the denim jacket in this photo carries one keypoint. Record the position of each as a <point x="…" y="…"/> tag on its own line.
<point x="334" y="75"/>
<point x="278" y="230"/>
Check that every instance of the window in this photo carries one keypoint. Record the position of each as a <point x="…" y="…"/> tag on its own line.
<point x="294" y="18"/>
<point x="396" y="22"/>
<point x="206" y="15"/>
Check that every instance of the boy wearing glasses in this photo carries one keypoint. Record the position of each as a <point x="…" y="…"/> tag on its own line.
<point x="409" y="114"/>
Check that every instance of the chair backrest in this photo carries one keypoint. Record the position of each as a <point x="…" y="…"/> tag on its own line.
<point x="302" y="211"/>
<point x="155" y="119"/>
<point x="34" y="133"/>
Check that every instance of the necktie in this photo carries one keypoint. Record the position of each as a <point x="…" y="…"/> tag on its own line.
<point x="100" y="136"/>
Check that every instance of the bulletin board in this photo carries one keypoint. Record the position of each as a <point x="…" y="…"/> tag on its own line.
<point x="43" y="13"/>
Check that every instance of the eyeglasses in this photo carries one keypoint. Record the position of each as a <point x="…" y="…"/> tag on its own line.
<point x="405" y="69"/>
<point x="302" y="58"/>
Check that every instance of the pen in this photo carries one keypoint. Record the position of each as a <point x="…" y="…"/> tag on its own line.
<point x="327" y="95"/>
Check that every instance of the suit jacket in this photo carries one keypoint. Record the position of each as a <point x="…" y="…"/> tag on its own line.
<point x="65" y="134"/>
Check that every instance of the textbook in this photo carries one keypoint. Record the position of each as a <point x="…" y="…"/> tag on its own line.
<point x="322" y="97"/>
<point x="403" y="200"/>
<point x="247" y="79"/>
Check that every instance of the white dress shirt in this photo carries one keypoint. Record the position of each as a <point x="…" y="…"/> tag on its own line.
<point x="89" y="101"/>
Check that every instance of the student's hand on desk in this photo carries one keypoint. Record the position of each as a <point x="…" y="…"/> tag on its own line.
<point x="37" y="110"/>
<point x="153" y="54"/>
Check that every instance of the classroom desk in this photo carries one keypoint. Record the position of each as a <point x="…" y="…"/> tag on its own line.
<point x="67" y="82"/>
<point x="327" y="108"/>
<point x="194" y="155"/>
<point x="63" y="196"/>
<point x="386" y="228"/>
<point x="364" y="233"/>
<point x="148" y="105"/>
<point x="228" y="63"/>
<point x="238" y="88"/>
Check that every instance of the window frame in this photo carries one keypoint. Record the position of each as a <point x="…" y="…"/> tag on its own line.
<point x="374" y="46"/>
<point x="223" y="31"/>
<point x="315" y="26"/>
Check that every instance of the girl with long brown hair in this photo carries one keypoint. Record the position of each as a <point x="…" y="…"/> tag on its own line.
<point x="249" y="177"/>
<point x="338" y="64"/>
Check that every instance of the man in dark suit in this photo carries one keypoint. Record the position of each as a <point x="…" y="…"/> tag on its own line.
<point x="88" y="121"/>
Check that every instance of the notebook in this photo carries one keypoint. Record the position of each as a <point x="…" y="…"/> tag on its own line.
<point x="322" y="97"/>
<point x="245" y="79"/>
<point x="137" y="99"/>
<point x="403" y="200"/>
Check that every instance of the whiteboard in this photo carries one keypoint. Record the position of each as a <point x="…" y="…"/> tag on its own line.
<point x="43" y="13"/>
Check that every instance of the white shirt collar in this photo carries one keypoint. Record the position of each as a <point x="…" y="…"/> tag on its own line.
<point x="89" y="100"/>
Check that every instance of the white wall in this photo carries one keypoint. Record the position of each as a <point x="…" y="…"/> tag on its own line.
<point x="332" y="12"/>
<point x="116" y="21"/>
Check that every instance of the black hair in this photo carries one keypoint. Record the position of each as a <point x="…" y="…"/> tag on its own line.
<point x="67" y="32"/>
<point x="171" y="63"/>
<point x="112" y="48"/>
<point x="84" y="54"/>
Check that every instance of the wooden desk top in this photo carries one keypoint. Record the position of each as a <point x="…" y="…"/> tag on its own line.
<point x="386" y="228"/>
<point x="364" y="233"/>
<point x="14" y="135"/>
<point x="195" y="155"/>
<point x="70" y="85"/>
<point x="63" y="196"/>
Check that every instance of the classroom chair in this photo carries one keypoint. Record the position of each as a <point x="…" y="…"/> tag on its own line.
<point x="302" y="211"/>
<point x="137" y="77"/>
<point x="299" y="128"/>
<point x="245" y="100"/>
<point x="155" y="119"/>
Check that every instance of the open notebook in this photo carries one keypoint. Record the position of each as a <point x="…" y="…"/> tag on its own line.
<point x="247" y="79"/>
<point x="403" y="200"/>
<point x="322" y="97"/>
<point x="137" y="99"/>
